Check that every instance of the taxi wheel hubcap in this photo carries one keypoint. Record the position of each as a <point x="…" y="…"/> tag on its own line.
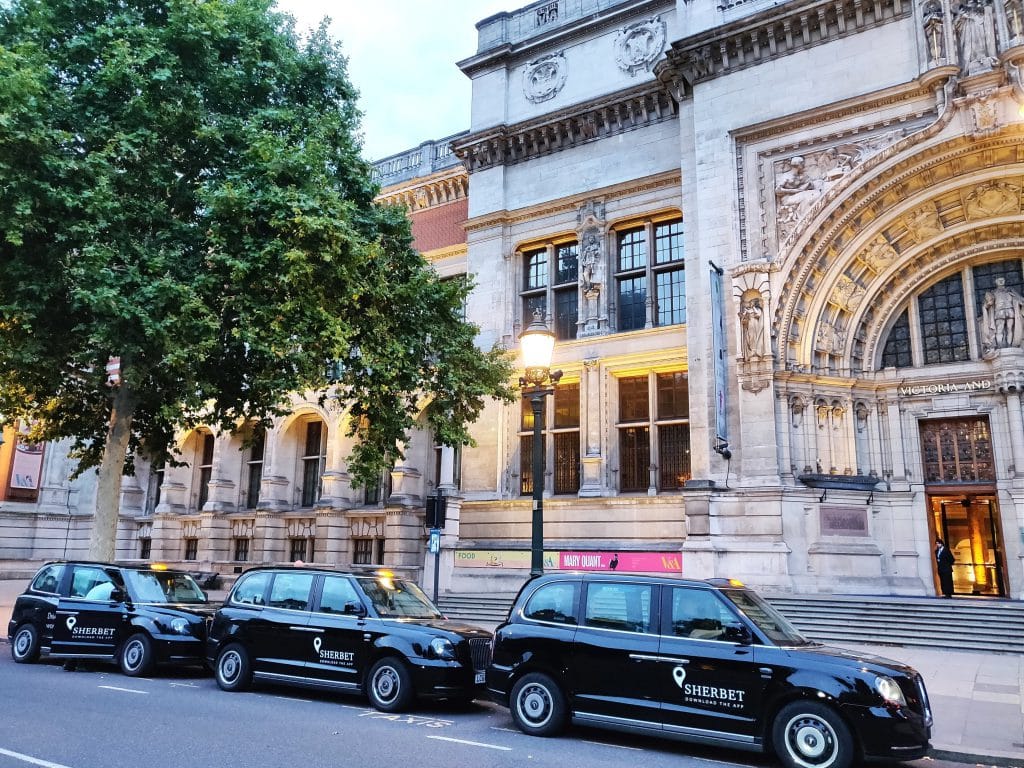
<point x="22" y="642"/>
<point x="812" y="740"/>
<point x="386" y="684"/>
<point x="229" y="666"/>
<point x="535" y="704"/>
<point x="133" y="654"/>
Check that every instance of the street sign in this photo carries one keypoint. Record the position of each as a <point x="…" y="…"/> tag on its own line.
<point x="435" y="540"/>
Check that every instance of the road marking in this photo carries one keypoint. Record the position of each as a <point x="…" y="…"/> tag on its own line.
<point x="471" y="743"/>
<point x="32" y="760"/>
<point x="606" y="744"/>
<point x="292" y="698"/>
<point x="506" y="730"/>
<point x="183" y="685"/>
<point x="124" y="690"/>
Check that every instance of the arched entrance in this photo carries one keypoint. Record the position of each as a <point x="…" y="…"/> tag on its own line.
<point x="963" y="508"/>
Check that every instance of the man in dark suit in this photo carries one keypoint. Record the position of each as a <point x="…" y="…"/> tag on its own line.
<point x="944" y="562"/>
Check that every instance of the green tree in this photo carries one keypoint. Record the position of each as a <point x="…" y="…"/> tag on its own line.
<point x="181" y="186"/>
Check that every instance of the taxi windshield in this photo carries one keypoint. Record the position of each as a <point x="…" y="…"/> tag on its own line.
<point x="768" y="620"/>
<point x="163" y="587"/>
<point x="393" y="598"/>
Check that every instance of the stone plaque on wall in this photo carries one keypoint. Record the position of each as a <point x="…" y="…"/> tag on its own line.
<point x="844" y="521"/>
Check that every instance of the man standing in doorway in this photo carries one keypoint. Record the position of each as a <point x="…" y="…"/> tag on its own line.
<point x="944" y="562"/>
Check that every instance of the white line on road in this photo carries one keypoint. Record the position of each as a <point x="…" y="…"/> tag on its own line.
<point x="32" y="760"/>
<point x="471" y="743"/>
<point x="606" y="744"/>
<point x="506" y="730"/>
<point x="124" y="690"/>
<point x="292" y="698"/>
<point x="183" y="685"/>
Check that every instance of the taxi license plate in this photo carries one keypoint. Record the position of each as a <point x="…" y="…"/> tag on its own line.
<point x="480" y="677"/>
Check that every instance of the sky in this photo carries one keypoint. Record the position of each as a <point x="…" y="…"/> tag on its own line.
<point x="401" y="58"/>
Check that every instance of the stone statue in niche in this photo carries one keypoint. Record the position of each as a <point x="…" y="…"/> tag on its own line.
<point x="590" y="260"/>
<point x="752" y="324"/>
<point x="1002" y="318"/>
<point x="975" y="33"/>
<point x="1014" y="19"/>
<point x="933" y="33"/>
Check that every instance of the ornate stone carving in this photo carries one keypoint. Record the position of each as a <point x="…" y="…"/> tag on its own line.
<point x="994" y="198"/>
<point x="1002" y="318"/>
<point x="639" y="45"/>
<point x="878" y="255"/>
<point x="591" y="228"/>
<point x="923" y="223"/>
<point x="975" y="35"/>
<point x="590" y="264"/>
<point x="802" y="180"/>
<point x="846" y="294"/>
<point x="543" y="78"/>
<point x="934" y="34"/>
<point x="984" y="114"/>
<point x="830" y="339"/>
<point x="751" y="314"/>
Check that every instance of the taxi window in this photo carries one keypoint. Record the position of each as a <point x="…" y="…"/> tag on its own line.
<point x="250" y="589"/>
<point x="553" y="602"/>
<point x="91" y="583"/>
<point x="291" y="591"/>
<point x="625" y="607"/>
<point x="337" y="593"/>
<point x="699" y="614"/>
<point x="48" y="579"/>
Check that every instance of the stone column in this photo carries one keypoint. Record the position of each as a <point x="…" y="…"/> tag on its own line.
<point x="592" y="461"/>
<point x="898" y="457"/>
<point x="1013" y="412"/>
<point x="784" y="435"/>
<point x="337" y="488"/>
<point x="223" y="493"/>
<point x="797" y="428"/>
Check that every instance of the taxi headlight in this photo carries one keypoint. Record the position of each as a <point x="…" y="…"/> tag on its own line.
<point x="890" y="691"/>
<point x="180" y="626"/>
<point x="442" y="648"/>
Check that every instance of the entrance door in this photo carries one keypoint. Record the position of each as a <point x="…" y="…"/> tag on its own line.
<point x="969" y="524"/>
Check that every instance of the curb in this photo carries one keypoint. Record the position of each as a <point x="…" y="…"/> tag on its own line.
<point x="1006" y="761"/>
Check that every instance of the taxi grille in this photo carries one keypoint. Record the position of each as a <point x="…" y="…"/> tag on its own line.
<point x="915" y="694"/>
<point x="480" y="651"/>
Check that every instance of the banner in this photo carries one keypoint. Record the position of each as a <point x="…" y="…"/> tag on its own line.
<point x="27" y="464"/>
<point x="582" y="560"/>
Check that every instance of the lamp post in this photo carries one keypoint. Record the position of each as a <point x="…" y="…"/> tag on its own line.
<point x="538" y="343"/>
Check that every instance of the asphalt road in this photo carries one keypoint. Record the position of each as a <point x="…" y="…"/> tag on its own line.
<point x="100" y="719"/>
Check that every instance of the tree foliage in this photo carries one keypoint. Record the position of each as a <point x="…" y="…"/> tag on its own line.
<point x="181" y="186"/>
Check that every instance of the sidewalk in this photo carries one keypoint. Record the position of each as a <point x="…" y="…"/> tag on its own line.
<point x="977" y="699"/>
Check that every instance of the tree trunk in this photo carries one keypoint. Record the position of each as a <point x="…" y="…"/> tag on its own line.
<point x="103" y="539"/>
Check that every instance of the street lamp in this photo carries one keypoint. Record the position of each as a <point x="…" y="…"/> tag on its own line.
<point x="538" y="343"/>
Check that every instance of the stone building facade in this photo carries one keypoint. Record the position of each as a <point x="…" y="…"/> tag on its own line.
<point x="781" y="247"/>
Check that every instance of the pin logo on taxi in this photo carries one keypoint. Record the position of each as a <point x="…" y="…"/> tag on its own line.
<point x="71" y="622"/>
<point x="679" y="675"/>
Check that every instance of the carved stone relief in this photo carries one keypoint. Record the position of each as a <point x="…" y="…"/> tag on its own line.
<point x="846" y="294"/>
<point x="878" y="255"/>
<point x="983" y="114"/>
<point x="543" y="78"/>
<point x="994" y="198"/>
<point x="591" y="232"/>
<point x="923" y="223"/>
<point x="639" y="45"/>
<point x="829" y="339"/>
<point x="801" y="180"/>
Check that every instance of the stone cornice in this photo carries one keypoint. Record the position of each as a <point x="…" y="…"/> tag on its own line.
<point x="429" y="192"/>
<point x="580" y="124"/>
<point x="570" y="205"/>
<point x="774" y="33"/>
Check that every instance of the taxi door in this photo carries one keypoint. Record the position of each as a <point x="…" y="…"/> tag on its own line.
<point x="88" y="622"/>
<point x="614" y="654"/>
<point x="709" y="682"/>
<point x="336" y="650"/>
<point x="279" y="633"/>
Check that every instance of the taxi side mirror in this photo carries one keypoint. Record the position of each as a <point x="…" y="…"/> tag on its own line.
<point x="354" y="609"/>
<point x="118" y="595"/>
<point x="738" y="633"/>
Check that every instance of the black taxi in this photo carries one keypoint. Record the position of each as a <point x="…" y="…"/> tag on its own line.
<point x="361" y="633"/>
<point x="703" y="661"/>
<point x="136" y="615"/>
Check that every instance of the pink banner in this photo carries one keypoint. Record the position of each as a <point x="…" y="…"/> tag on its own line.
<point x="624" y="562"/>
<point x="28" y="463"/>
<point x="629" y="562"/>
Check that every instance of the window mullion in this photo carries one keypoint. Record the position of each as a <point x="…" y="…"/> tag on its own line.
<point x="652" y="437"/>
<point x="651" y="301"/>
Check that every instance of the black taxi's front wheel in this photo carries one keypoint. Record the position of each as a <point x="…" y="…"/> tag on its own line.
<point x="538" y="705"/>
<point x="389" y="685"/>
<point x="137" y="659"/>
<point x="25" y="645"/>
<point x="807" y="734"/>
<point x="232" y="670"/>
